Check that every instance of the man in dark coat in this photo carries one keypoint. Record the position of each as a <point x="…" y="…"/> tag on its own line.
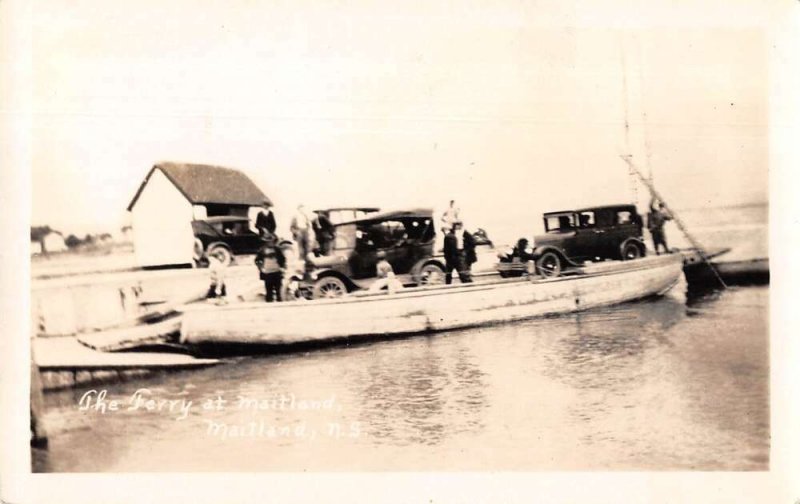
<point x="324" y="232"/>
<point x="271" y="264"/>
<point x="655" y="223"/>
<point x="265" y="221"/>
<point x="459" y="253"/>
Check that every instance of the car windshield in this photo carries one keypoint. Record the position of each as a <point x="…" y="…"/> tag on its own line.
<point x="394" y="233"/>
<point x="559" y="222"/>
<point x="231" y="227"/>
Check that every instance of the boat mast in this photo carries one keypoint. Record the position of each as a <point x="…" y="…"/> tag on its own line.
<point x="626" y="122"/>
<point x="634" y="172"/>
<point x="648" y="152"/>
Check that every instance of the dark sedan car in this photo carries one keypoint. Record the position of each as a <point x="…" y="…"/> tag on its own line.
<point x="224" y="237"/>
<point x="574" y="236"/>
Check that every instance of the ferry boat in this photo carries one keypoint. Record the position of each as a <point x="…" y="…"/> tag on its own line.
<point x="428" y="309"/>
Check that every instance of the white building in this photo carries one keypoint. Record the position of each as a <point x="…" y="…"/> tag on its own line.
<point x="36" y="247"/>
<point x="174" y="194"/>
<point x="53" y="242"/>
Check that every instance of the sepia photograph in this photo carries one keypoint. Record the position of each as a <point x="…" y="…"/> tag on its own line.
<point x="375" y="237"/>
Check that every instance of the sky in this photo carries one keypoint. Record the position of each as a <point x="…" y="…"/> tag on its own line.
<point x="512" y="108"/>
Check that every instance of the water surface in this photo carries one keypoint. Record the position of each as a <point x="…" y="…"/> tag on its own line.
<point x="662" y="384"/>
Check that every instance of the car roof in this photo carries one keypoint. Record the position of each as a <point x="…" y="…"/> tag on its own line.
<point x="421" y="213"/>
<point x="627" y="206"/>
<point x="357" y="209"/>
<point x="224" y="218"/>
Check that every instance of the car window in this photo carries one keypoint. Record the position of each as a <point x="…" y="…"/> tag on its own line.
<point x="606" y="218"/>
<point x="624" y="217"/>
<point x="345" y="237"/>
<point x="586" y="220"/>
<point x="236" y="228"/>
<point x="560" y="222"/>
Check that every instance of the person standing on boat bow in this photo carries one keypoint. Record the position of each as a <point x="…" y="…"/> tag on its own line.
<point x="459" y="253"/>
<point x="655" y="224"/>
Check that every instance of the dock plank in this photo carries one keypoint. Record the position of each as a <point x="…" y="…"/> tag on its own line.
<point x="67" y="354"/>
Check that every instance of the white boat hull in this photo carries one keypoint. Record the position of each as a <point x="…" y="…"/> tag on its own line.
<point x="428" y="309"/>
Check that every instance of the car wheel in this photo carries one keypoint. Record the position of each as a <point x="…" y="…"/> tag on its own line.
<point x="549" y="265"/>
<point x="223" y="254"/>
<point x="631" y="251"/>
<point x="431" y="274"/>
<point x="198" y="250"/>
<point x="328" y="288"/>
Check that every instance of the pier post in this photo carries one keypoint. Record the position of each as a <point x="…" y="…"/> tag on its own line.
<point x="38" y="432"/>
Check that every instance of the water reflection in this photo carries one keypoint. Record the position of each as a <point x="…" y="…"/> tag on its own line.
<point x="649" y="385"/>
<point x="423" y="396"/>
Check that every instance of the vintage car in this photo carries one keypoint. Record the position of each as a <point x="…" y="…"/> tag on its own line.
<point x="405" y="237"/>
<point x="573" y="237"/>
<point x="223" y="237"/>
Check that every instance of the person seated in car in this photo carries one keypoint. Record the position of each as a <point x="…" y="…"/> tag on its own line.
<point x="585" y="220"/>
<point x="564" y="222"/>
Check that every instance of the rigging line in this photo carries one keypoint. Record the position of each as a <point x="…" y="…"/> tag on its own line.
<point x="699" y="248"/>
<point x="647" y="146"/>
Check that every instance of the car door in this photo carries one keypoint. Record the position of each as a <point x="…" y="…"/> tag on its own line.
<point x="239" y="237"/>
<point x="364" y="257"/>
<point x="613" y="234"/>
<point x="584" y="243"/>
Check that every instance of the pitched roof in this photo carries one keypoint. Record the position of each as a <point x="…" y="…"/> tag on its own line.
<point x="208" y="184"/>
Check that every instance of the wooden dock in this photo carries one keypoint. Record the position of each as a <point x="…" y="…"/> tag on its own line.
<point x="65" y="362"/>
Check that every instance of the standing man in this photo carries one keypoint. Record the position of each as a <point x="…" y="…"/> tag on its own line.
<point x="459" y="253"/>
<point x="450" y="216"/>
<point x="655" y="223"/>
<point x="265" y="222"/>
<point x="323" y="232"/>
<point x="301" y="227"/>
<point x="271" y="264"/>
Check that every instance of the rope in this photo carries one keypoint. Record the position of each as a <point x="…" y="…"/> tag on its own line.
<point x="678" y="222"/>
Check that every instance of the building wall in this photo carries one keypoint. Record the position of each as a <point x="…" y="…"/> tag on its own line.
<point x="161" y="219"/>
<point x="53" y="242"/>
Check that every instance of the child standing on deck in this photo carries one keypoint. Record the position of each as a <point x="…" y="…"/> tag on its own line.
<point x="385" y="274"/>
<point x="216" y="288"/>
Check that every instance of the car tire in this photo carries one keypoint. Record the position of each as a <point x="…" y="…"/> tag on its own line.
<point x="431" y="274"/>
<point x="198" y="250"/>
<point x="631" y="251"/>
<point x="329" y="287"/>
<point x="222" y="253"/>
<point x="549" y="265"/>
